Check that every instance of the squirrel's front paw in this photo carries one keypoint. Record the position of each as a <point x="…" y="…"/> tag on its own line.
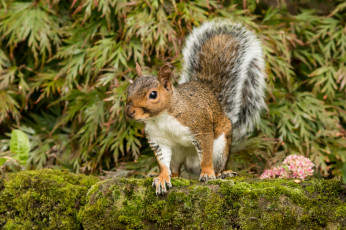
<point x="161" y="183"/>
<point x="207" y="175"/>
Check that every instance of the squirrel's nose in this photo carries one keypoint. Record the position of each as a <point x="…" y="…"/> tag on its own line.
<point x="130" y="111"/>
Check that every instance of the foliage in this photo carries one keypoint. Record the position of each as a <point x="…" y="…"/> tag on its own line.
<point x="65" y="67"/>
<point x="20" y="146"/>
<point x="19" y="151"/>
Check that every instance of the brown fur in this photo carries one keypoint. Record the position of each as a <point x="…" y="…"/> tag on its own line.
<point x="138" y="106"/>
<point x="213" y="70"/>
<point x="193" y="104"/>
<point x="175" y="174"/>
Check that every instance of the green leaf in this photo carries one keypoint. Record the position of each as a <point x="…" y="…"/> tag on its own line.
<point x="20" y="145"/>
<point x="2" y="161"/>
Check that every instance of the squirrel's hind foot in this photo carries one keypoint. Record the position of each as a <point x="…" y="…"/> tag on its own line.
<point x="226" y="174"/>
<point x="152" y="174"/>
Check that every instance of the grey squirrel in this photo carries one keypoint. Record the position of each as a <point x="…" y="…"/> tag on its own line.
<point x="219" y="98"/>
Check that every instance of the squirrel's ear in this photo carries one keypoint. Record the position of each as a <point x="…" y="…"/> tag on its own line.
<point x="165" y="76"/>
<point x="138" y="69"/>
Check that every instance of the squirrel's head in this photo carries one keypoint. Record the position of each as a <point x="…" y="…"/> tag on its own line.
<point x="148" y="96"/>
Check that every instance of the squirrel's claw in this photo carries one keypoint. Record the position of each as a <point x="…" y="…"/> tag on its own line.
<point x="161" y="185"/>
<point x="152" y="174"/>
<point x="204" y="177"/>
<point x="228" y="173"/>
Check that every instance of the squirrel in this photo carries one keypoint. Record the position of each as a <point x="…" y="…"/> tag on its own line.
<point x="218" y="99"/>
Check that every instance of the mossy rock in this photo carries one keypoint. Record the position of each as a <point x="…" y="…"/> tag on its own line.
<point x="53" y="199"/>
<point x="238" y="203"/>
<point x="42" y="199"/>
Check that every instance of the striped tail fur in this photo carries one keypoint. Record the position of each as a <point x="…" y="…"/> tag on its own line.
<point x="229" y="58"/>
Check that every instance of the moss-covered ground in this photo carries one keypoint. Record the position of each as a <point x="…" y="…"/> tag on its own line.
<point x="52" y="199"/>
<point x="44" y="199"/>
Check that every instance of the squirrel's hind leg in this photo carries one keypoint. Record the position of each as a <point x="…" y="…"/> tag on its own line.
<point x="222" y="146"/>
<point x="204" y="147"/>
<point x="177" y="161"/>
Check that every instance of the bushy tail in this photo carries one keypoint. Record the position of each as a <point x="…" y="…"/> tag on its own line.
<point x="229" y="58"/>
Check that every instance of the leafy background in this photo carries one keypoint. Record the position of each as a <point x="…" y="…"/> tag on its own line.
<point x="65" y="67"/>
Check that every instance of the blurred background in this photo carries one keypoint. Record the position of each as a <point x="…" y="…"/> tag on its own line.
<point x="65" y="67"/>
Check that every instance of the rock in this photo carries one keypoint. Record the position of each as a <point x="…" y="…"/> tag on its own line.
<point x="53" y="199"/>
<point x="238" y="203"/>
<point x="43" y="199"/>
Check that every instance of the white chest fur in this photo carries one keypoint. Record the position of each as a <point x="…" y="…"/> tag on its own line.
<point x="174" y="144"/>
<point x="166" y="130"/>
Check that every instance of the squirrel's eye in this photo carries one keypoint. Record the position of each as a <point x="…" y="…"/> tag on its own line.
<point x="153" y="95"/>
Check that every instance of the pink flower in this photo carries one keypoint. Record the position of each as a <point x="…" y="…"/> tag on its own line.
<point x="294" y="166"/>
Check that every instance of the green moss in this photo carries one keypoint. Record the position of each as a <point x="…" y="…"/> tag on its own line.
<point x="59" y="200"/>
<point x="219" y="204"/>
<point x="180" y="182"/>
<point x="45" y="199"/>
